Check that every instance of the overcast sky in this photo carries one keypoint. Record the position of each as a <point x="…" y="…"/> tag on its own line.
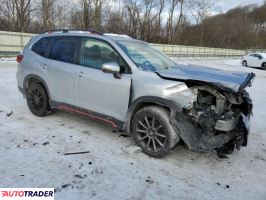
<point x="225" y="5"/>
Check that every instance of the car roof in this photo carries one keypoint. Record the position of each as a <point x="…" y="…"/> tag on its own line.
<point x="105" y="36"/>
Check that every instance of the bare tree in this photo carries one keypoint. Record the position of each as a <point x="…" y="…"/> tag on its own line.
<point x="169" y="26"/>
<point x="133" y="11"/>
<point x="97" y="17"/>
<point x="161" y="6"/>
<point x="201" y="10"/>
<point x="47" y="14"/>
<point x="23" y="12"/>
<point x="146" y="21"/>
<point x="86" y="10"/>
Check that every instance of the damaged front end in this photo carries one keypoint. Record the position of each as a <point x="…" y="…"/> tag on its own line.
<point x="219" y="114"/>
<point x="217" y="119"/>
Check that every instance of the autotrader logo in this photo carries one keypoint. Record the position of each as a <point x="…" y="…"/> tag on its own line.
<point x="26" y="193"/>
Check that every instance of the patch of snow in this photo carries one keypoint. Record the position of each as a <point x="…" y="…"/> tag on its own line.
<point x="233" y="63"/>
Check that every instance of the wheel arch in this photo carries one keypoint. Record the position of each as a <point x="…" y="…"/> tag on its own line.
<point x="263" y="64"/>
<point x="145" y="101"/>
<point x="31" y="78"/>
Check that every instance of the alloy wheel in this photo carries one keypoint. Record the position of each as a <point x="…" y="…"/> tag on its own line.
<point x="151" y="134"/>
<point x="36" y="99"/>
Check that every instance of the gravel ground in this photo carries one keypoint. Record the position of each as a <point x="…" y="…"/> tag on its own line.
<point x="32" y="154"/>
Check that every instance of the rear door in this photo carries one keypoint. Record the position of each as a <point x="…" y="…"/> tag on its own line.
<point x="98" y="91"/>
<point x="63" y="57"/>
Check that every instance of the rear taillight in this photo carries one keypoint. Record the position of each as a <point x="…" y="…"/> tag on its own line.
<point x="19" y="58"/>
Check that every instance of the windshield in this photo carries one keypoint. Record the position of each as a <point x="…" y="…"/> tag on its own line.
<point x="145" y="57"/>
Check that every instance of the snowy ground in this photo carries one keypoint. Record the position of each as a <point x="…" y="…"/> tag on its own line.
<point x="32" y="154"/>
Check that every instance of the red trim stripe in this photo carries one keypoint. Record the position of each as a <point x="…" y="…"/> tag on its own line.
<point x="86" y="114"/>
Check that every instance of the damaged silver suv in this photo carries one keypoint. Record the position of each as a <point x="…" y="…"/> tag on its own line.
<point x="134" y="88"/>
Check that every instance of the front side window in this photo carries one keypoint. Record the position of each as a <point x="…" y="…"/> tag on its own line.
<point x="41" y="46"/>
<point x="95" y="53"/>
<point x="145" y="57"/>
<point x="65" y="49"/>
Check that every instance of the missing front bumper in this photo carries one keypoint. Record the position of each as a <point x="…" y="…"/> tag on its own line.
<point x="202" y="141"/>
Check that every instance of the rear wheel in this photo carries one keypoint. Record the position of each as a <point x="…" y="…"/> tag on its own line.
<point x="244" y="63"/>
<point x="37" y="99"/>
<point x="153" y="132"/>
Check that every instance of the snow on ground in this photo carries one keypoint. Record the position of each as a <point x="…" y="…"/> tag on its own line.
<point x="32" y="154"/>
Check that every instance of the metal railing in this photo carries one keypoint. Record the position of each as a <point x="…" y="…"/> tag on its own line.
<point x="193" y="51"/>
<point x="255" y="51"/>
<point x="11" y="43"/>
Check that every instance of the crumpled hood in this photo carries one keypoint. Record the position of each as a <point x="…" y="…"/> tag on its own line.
<point x="235" y="81"/>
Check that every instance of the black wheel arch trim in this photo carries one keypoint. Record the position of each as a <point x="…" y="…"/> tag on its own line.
<point x="30" y="76"/>
<point x="143" y="101"/>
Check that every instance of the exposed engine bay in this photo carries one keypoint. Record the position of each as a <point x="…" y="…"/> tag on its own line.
<point x="217" y="119"/>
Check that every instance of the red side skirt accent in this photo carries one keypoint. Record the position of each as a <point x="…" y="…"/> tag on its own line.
<point x="65" y="108"/>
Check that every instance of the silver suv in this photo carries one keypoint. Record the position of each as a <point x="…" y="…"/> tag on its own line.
<point x="127" y="84"/>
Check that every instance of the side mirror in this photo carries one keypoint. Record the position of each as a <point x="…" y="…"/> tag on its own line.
<point x="111" y="67"/>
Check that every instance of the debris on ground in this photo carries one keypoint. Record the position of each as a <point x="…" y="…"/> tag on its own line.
<point x="81" y="152"/>
<point x="149" y="180"/>
<point x="9" y="114"/>
<point x="80" y="176"/>
<point x="45" y="143"/>
<point x="123" y="135"/>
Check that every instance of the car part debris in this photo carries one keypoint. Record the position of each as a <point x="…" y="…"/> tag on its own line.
<point x="9" y="114"/>
<point x="81" y="152"/>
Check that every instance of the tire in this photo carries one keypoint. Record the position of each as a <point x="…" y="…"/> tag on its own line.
<point x="244" y="63"/>
<point x="225" y="149"/>
<point x="152" y="131"/>
<point x="37" y="99"/>
<point x="263" y="66"/>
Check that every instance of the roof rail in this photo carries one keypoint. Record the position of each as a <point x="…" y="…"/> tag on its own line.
<point x="67" y="30"/>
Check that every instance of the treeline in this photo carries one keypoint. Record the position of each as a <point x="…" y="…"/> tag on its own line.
<point x="184" y="22"/>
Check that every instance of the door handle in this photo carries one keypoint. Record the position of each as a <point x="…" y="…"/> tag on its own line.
<point x="80" y="74"/>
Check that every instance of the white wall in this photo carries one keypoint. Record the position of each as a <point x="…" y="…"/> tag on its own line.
<point x="14" y="42"/>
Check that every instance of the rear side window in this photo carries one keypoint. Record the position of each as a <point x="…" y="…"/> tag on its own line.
<point x="41" y="46"/>
<point x="65" y="49"/>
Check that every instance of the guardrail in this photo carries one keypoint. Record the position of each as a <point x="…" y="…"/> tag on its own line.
<point x="11" y="44"/>
<point x="255" y="51"/>
<point x="193" y="51"/>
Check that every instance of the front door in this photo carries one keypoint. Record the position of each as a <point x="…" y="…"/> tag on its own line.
<point x="257" y="60"/>
<point x="97" y="91"/>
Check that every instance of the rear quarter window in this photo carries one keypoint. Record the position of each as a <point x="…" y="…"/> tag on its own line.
<point x="41" y="46"/>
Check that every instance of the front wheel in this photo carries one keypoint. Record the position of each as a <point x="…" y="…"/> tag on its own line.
<point x="153" y="132"/>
